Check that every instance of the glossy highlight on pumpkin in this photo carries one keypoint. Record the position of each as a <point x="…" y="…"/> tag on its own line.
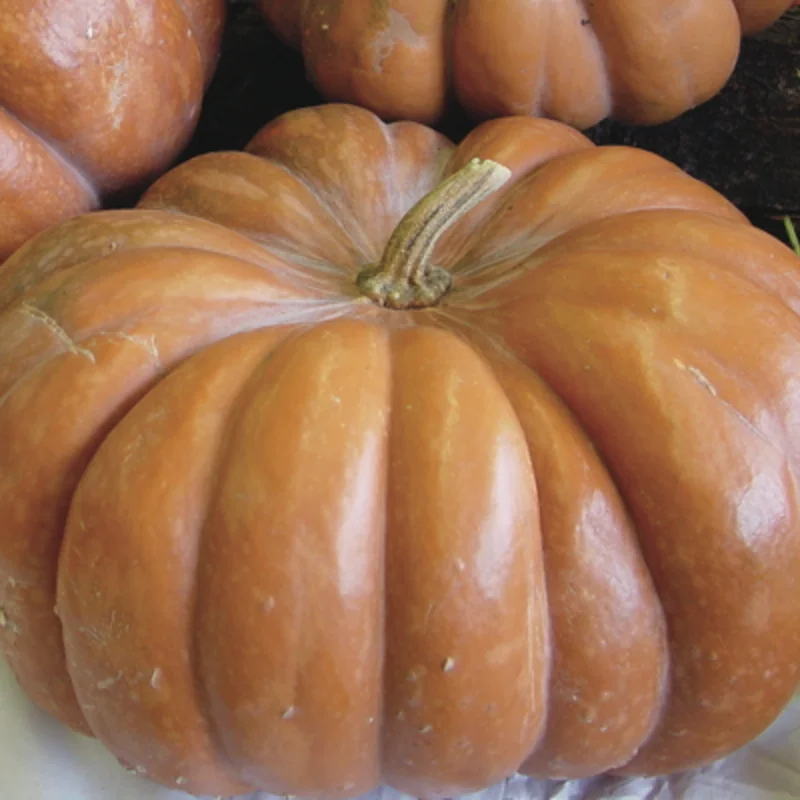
<point x="270" y="534"/>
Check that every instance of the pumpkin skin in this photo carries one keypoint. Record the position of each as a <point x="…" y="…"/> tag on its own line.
<point x="261" y="532"/>
<point x="95" y="97"/>
<point x="643" y="63"/>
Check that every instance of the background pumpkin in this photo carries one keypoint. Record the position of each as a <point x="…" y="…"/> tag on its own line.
<point x="644" y="63"/>
<point x="301" y="541"/>
<point x="95" y="97"/>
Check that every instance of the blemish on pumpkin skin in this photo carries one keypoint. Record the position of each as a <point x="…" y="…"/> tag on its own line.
<point x="397" y="31"/>
<point x="7" y="625"/>
<point x="109" y="682"/>
<point x="268" y="604"/>
<point x="416" y="674"/>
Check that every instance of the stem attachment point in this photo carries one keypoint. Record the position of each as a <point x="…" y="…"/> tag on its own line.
<point x="405" y="277"/>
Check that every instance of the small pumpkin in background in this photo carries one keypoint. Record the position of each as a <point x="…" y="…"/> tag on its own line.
<point x="362" y="458"/>
<point x="643" y="62"/>
<point x="95" y="97"/>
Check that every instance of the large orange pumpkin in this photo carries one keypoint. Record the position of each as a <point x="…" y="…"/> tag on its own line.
<point x="95" y="96"/>
<point x="640" y="61"/>
<point x="291" y="501"/>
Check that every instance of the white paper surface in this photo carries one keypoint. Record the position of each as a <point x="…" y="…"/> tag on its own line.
<point x="42" y="760"/>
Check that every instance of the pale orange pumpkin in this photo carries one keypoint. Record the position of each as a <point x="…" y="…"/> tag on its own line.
<point x="96" y="96"/>
<point x="294" y="502"/>
<point x="640" y="61"/>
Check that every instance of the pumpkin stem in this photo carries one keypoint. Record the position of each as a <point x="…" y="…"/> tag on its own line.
<point x="405" y="277"/>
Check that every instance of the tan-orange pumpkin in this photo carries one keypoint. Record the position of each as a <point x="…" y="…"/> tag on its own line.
<point x="578" y="61"/>
<point x="285" y="506"/>
<point x="95" y="96"/>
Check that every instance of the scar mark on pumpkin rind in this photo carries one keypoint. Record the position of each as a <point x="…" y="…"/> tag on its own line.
<point x="698" y="376"/>
<point x="702" y="380"/>
<point x="46" y="320"/>
<point x="147" y="343"/>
